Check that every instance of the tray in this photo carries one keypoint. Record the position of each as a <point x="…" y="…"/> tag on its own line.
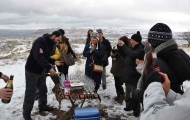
<point x="76" y="83"/>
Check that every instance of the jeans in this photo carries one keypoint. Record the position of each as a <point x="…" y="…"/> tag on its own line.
<point x="104" y="77"/>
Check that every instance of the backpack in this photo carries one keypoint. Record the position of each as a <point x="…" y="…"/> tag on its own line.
<point x="186" y="57"/>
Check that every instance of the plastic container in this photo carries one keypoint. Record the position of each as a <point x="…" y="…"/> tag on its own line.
<point x="87" y="113"/>
<point x="67" y="86"/>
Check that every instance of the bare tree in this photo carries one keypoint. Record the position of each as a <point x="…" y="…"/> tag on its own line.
<point x="186" y="36"/>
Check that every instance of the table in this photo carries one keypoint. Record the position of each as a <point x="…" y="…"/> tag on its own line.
<point x="75" y="94"/>
<point x="80" y="94"/>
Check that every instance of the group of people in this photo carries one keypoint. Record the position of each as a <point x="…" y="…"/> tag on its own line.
<point x="139" y="65"/>
<point x="97" y="51"/>
<point x="153" y="72"/>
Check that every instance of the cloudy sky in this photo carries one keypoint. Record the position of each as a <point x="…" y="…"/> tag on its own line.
<point x="127" y="14"/>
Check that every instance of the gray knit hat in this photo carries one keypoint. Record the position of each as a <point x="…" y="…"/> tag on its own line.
<point x="94" y="34"/>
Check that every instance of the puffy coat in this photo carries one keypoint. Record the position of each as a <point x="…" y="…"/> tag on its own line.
<point x="130" y="74"/>
<point x="97" y="54"/>
<point x="174" y="63"/>
<point x="117" y="64"/>
<point x="159" y="107"/>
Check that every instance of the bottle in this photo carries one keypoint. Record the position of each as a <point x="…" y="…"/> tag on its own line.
<point x="67" y="86"/>
<point x="9" y="85"/>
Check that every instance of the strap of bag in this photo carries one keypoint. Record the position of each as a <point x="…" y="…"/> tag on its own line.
<point x="93" y="59"/>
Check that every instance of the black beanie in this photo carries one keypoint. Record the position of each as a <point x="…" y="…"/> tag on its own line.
<point x="137" y="37"/>
<point x="62" y="31"/>
<point x="159" y="34"/>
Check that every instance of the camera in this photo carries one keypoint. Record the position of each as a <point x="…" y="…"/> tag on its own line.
<point x="114" y="50"/>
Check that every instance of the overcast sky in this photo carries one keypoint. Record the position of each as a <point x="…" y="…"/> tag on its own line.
<point x="127" y="14"/>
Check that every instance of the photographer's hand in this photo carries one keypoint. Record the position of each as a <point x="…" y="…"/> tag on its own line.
<point x="166" y="83"/>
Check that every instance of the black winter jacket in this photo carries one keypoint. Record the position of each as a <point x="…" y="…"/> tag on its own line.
<point x="107" y="46"/>
<point x="39" y="57"/>
<point x="130" y="74"/>
<point x="174" y="63"/>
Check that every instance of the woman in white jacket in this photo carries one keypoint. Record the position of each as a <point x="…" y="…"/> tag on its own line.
<point x="162" y="103"/>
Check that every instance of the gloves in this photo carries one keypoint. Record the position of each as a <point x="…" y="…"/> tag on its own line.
<point x="114" y="50"/>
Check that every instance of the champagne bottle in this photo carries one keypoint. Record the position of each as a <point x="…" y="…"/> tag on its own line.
<point x="9" y="85"/>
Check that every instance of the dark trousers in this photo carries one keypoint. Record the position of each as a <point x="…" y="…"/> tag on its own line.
<point x="55" y="79"/>
<point x="63" y="69"/>
<point x="131" y="104"/>
<point x="97" y="86"/>
<point x="118" y="85"/>
<point x="34" y="81"/>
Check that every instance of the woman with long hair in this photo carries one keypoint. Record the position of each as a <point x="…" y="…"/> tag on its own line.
<point x="170" y="60"/>
<point x="94" y="51"/>
<point x="65" y="47"/>
<point x="88" y="36"/>
<point x="118" y="58"/>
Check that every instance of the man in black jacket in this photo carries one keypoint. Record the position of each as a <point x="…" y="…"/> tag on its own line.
<point x="130" y="75"/>
<point x="38" y="61"/>
<point x="108" y="49"/>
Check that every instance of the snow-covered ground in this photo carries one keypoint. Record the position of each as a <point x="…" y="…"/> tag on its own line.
<point x="13" y="110"/>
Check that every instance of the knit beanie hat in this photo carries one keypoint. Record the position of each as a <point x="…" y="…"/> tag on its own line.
<point x="159" y="34"/>
<point x="94" y="34"/>
<point x="137" y="37"/>
<point x="99" y="31"/>
<point x="124" y="39"/>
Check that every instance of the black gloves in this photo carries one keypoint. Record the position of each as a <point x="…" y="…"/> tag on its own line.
<point x="114" y="50"/>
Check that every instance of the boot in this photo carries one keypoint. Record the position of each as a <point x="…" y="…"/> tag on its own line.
<point x="27" y="118"/>
<point x="135" y="114"/>
<point x="27" y="108"/>
<point x="117" y="97"/>
<point x="121" y="98"/>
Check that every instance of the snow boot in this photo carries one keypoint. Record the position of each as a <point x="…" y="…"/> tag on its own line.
<point x="121" y="98"/>
<point x="117" y="97"/>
